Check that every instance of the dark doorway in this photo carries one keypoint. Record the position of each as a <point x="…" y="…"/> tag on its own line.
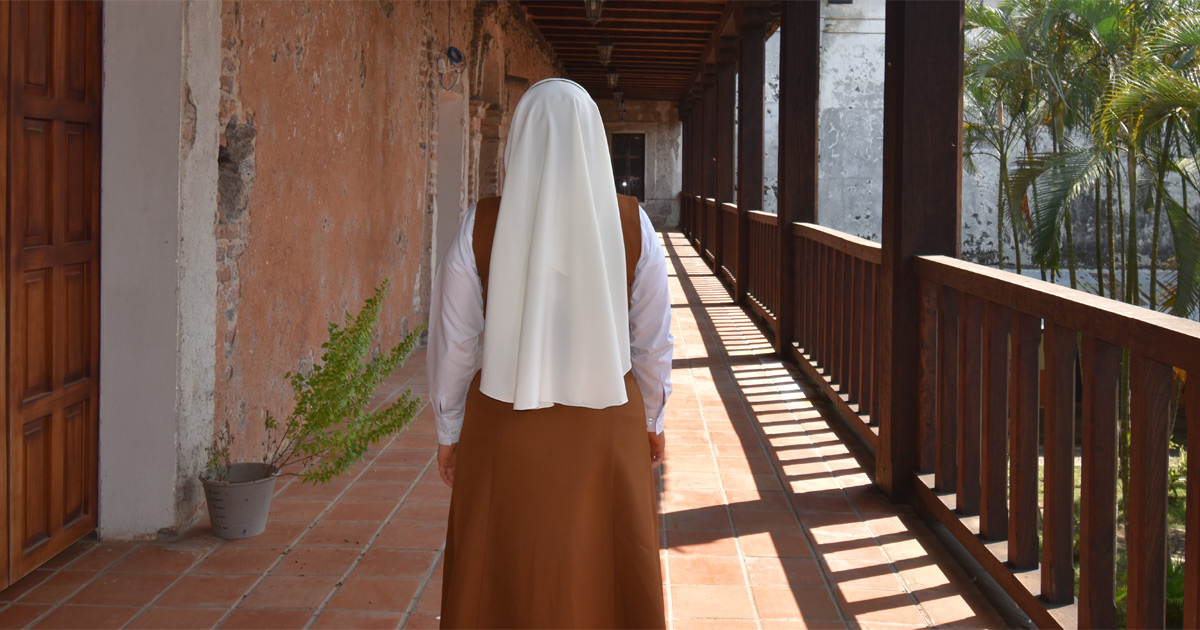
<point x="629" y="164"/>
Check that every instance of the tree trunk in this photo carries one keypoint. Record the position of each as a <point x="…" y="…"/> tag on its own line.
<point x="1099" y="259"/>
<point x="1158" y="193"/>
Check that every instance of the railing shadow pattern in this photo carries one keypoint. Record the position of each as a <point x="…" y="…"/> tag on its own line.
<point x="999" y="354"/>
<point x="757" y="484"/>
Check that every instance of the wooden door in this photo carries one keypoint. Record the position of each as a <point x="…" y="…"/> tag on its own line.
<point x="52" y="277"/>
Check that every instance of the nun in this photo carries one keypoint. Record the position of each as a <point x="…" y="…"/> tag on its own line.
<point x="549" y="362"/>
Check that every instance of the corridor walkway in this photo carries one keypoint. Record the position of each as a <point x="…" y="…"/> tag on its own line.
<point x="769" y="522"/>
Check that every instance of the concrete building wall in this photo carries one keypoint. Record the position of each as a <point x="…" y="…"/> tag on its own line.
<point x="158" y="200"/>
<point x="659" y="121"/>
<point x="851" y="133"/>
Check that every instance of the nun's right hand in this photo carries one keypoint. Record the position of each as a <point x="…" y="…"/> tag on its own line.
<point x="445" y="457"/>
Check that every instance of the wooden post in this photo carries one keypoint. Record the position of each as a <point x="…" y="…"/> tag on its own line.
<point x="726" y="88"/>
<point x="684" y="149"/>
<point x="751" y="78"/>
<point x="799" y="78"/>
<point x="922" y="184"/>
<point x="708" y="167"/>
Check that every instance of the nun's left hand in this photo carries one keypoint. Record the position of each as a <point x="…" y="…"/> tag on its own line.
<point x="658" y="448"/>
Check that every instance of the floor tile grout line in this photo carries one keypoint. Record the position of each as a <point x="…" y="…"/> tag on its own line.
<point x="59" y="604"/>
<point x="856" y="512"/>
<point x="712" y="447"/>
<point x="289" y="547"/>
<point x="776" y="465"/>
<point x="204" y="556"/>
<point x="416" y="598"/>
<point x="387" y="521"/>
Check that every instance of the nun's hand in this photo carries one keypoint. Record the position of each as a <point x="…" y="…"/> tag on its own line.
<point x="658" y="448"/>
<point x="445" y="458"/>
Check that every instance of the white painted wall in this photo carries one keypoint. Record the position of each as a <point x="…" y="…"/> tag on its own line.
<point x="157" y="292"/>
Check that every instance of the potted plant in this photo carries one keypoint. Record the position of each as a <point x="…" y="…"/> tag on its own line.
<point x="329" y="428"/>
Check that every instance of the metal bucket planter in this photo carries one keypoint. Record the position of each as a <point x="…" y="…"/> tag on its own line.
<point x="238" y="507"/>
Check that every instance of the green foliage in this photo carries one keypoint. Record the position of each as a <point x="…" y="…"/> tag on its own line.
<point x="217" y="461"/>
<point x="331" y="427"/>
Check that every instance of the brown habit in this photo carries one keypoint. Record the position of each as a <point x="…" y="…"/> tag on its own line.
<point x="553" y="521"/>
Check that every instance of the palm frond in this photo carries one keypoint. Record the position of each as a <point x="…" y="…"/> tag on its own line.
<point x="1061" y="178"/>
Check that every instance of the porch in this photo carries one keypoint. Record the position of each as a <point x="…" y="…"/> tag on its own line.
<point x="769" y="521"/>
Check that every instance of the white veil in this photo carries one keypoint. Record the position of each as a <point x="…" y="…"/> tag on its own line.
<point x="556" y="330"/>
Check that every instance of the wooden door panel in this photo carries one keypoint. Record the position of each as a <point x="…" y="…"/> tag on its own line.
<point x="77" y="53"/>
<point x="76" y="223"/>
<point x="33" y="481"/>
<point x="76" y="333"/>
<point x="32" y="351"/>
<point x="53" y="276"/>
<point x="34" y="220"/>
<point x="76" y="478"/>
<point x="36" y="32"/>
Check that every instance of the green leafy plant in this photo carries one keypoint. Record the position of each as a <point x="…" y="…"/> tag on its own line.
<point x="331" y="425"/>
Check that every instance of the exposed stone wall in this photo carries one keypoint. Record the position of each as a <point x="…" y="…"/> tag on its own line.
<point x="327" y="171"/>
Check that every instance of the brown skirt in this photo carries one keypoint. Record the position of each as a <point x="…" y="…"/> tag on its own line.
<point x="552" y="519"/>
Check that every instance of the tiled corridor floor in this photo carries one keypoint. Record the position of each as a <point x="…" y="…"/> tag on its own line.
<point x="769" y="522"/>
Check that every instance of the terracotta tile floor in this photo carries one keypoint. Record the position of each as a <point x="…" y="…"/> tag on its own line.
<point x="769" y="522"/>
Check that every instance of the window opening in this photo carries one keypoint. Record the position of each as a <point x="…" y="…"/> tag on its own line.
<point x="629" y="164"/>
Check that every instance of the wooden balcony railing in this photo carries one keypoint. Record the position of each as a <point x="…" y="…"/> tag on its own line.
<point x="997" y="402"/>
<point x="763" y="274"/>
<point x="836" y="284"/>
<point x="709" y="241"/>
<point x="728" y="214"/>
<point x="981" y="392"/>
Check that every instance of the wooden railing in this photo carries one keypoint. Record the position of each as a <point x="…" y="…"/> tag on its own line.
<point x="710" y="230"/>
<point x="836" y="286"/>
<point x="762" y="282"/>
<point x="999" y="351"/>
<point x="979" y="437"/>
<point x="729" y="241"/>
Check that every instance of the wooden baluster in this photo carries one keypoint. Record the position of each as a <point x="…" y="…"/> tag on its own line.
<point x="836" y="327"/>
<point x="1058" y="517"/>
<point x="822" y="281"/>
<point x="845" y="325"/>
<point x="927" y="383"/>
<point x="945" y="471"/>
<point x="1023" y="442"/>
<point x="970" y="352"/>
<point x="1101" y="365"/>
<point x="854" y="362"/>
<point x="993" y="500"/>
<point x="810" y="295"/>
<point x="1191" y="587"/>
<point x="1150" y="401"/>
<point x="870" y="325"/>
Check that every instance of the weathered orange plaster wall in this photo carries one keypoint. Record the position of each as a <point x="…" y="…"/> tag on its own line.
<point x="338" y="178"/>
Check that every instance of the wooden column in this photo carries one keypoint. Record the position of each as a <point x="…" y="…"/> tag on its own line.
<point x="922" y="182"/>
<point x="708" y="167"/>
<point x="726" y="89"/>
<point x="751" y="78"/>
<point x="799" y="78"/>
<point x="687" y="147"/>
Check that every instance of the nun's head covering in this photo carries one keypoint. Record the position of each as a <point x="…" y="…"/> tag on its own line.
<point x="557" y="323"/>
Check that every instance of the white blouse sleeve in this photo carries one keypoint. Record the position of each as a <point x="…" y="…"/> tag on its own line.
<point x="455" y="327"/>
<point x="650" y="337"/>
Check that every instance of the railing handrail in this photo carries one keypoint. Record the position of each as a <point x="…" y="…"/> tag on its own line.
<point x="765" y="218"/>
<point x="729" y="207"/>
<point x="1165" y="338"/>
<point x="840" y="241"/>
